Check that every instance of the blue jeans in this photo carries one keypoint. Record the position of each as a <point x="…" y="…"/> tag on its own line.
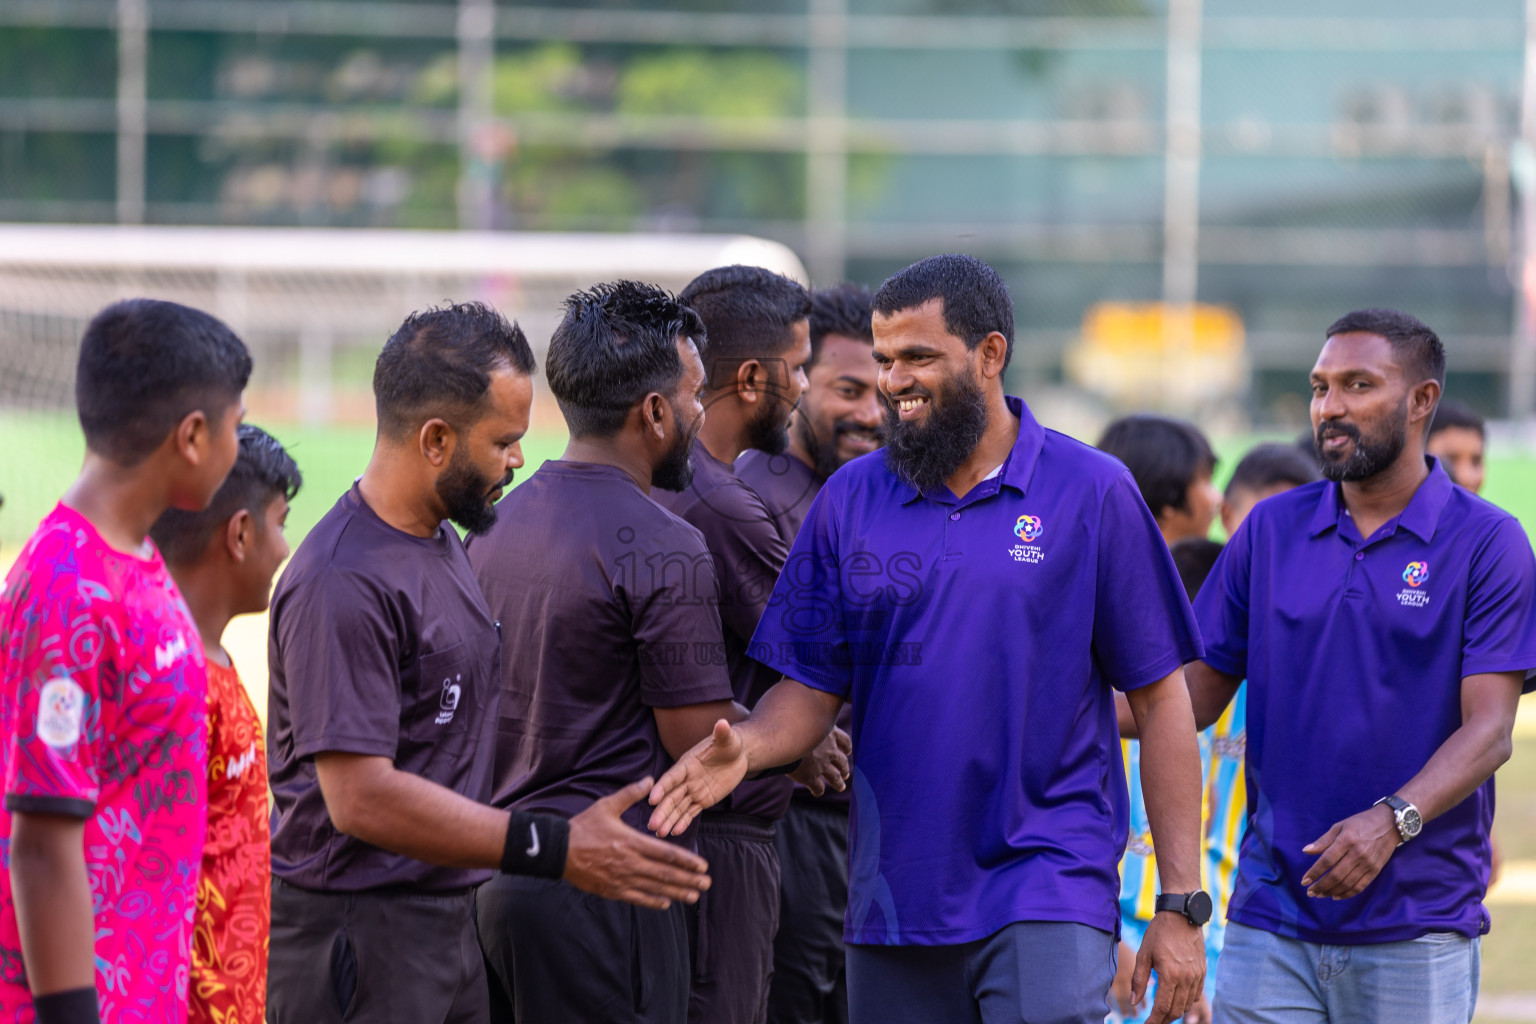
<point x="1037" y="971"/>
<point x="1269" y="979"/>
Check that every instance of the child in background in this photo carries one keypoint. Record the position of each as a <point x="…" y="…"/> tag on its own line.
<point x="103" y="691"/>
<point x="1457" y="438"/>
<point x="1172" y="464"/>
<point x="1267" y="470"/>
<point x="224" y="558"/>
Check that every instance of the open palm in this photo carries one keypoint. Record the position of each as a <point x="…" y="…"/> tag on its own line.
<point x="701" y="778"/>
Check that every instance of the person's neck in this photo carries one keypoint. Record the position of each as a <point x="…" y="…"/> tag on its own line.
<point x="122" y="504"/>
<point x="996" y="442"/>
<point x="612" y="452"/>
<point x="210" y="610"/>
<point x="1376" y="500"/>
<point x="724" y="437"/>
<point x="798" y="451"/>
<point x="393" y="492"/>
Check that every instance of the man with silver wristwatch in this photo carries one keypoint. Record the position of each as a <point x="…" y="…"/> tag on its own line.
<point x="1385" y="620"/>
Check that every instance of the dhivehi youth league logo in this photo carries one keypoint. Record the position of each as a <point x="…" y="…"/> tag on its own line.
<point x="1416" y="574"/>
<point x="1028" y="528"/>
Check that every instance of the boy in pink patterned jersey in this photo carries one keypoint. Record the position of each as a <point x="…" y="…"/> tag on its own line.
<point x="103" y="742"/>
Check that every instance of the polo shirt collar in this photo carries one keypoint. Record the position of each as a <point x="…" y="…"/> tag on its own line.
<point x="1420" y="517"/>
<point x="1016" y="469"/>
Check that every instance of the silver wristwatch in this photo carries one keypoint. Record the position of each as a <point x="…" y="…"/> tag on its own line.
<point x="1409" y="821"/>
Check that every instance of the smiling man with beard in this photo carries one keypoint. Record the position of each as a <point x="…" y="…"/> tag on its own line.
<point x="1385" y="620"/>
<point x="385" y="663"/>
<point x="978" y="591"/>
<point x="609" y="603"/>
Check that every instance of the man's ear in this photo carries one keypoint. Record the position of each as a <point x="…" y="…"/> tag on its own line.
<point x="193" y="437"/>
<point x="654" y="414"/>
<point x="993" y="354"/>
<point x="1422" y="401"/>
<point x="436" y="439"/>
<point x="751" y="381"/>
<point x="239" y="535"/>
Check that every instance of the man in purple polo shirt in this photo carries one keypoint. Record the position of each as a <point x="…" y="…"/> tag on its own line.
<point x="385" y="662"/>
<point x="608" y="603"/>
<point x="754" y="367"/>
<point x="1384" y="619"/>
<point x="838" y="419"/>
<point x="978" y="591"/>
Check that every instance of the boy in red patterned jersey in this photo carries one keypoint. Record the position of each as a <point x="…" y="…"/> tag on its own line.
<point x="224" y="558"/>
<point x="103" y="690"/>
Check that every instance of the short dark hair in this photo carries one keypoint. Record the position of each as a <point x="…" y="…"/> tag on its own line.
<point x="1194" y="558"/>
<point x="976" y="301"/>
<point x="263" y="472"/>
<point x="844" y="310"/>
<point x="439" y="363"/>
<point x="1164" y="455"/>
<point x="1418" y="348"/>
<point x="748" y="312"/>
<point x="1267" y="465"/>
<point x="145" y="364"/>
<point x="616" y="344"/>
<point x="1450" y="413"/>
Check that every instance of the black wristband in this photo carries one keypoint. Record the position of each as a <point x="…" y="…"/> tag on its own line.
<point x="77" y="1006"/>
<point x="536" y="845"/>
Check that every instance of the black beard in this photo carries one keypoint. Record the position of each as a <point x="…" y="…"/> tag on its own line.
<point x="675" y="471"/>
<point x="927" y="455"/>
<point x="768" y="433"/>
<point x="467" y="494"/>
<point x="824" y="452"/>
<point x="1368" y="457"/>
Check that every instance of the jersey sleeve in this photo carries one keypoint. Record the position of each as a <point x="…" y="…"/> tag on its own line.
<point x="66" y="641"/>
<point x="340" y="657"/>
<point x="1499" y="634"/>
<point x="1222" y="606"/>
<point x="1143" y="628"/>
<point x="801" y="633"/>
<point x="676" y="624"/>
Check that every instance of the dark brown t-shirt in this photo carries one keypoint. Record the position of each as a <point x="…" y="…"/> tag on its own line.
<point x="749" y="553"/>
<point x="380" y="644"/>
<point x="788" y="486"/>
<point x="607" y="602"/>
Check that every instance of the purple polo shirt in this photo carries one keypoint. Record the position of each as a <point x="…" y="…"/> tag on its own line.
<point x="1354" y="651"/>
<point x="978" y="641"/>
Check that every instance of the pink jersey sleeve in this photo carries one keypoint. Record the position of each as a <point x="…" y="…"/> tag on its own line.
<point x="65" y="642"/>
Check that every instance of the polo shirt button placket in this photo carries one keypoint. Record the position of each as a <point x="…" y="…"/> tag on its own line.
<point x="954" y="517"/>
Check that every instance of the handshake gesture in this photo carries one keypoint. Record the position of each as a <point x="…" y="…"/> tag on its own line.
<point x="709" y="772"/>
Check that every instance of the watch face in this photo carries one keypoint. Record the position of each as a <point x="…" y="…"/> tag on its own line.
<point x="1410" y="822"/>
<point x="1198" y="909"/>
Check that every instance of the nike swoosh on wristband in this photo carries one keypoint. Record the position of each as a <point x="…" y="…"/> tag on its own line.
<point x="533" y="851"/>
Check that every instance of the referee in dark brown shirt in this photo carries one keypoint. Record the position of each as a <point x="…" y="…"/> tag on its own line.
<point x="608" y="603"/>
<point x="383" y="710"/>
<point x="759" y="344"/>
<point x="839" y="418"/>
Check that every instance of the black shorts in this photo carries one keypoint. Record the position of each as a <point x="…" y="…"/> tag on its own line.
<point x="557" y="955"/>
<point x="810" y="971"/>
<point x="382" y="956"/>
<point x="731" y="928"/>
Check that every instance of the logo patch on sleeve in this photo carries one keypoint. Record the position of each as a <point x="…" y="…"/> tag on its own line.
<point x="60" y="708"/>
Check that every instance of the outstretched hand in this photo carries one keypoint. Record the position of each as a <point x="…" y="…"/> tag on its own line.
<point x="701" y="778"/>
<point x="609" y="858"/>
<point x="1176" y="950"/>
<point x="826" y="767"/>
